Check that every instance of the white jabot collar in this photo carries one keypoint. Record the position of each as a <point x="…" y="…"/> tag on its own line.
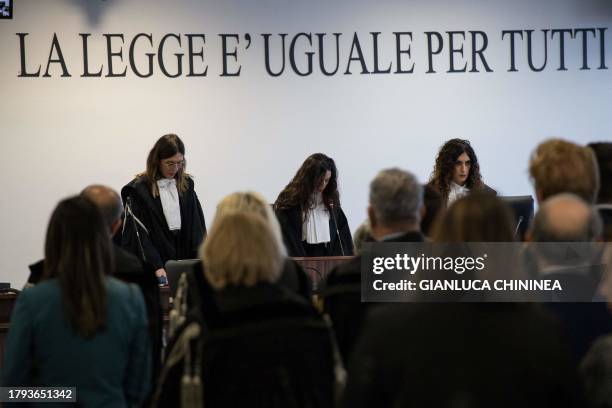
<point x="456" y="191"/>
<point x="168" y="194"/>
<point x="315" y="229"/>
<point x="165" y="182"/>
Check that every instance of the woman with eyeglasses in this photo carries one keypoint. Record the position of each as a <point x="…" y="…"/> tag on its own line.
<point x="164" y="219"/>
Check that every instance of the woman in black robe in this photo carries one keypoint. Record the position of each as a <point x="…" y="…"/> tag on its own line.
<point x="309" y="212"/>
<point x="457" y="172"/>
<point x="163" y="216"/>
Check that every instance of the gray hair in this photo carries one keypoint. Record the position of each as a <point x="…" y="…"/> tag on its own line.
<point x="396" y="196"/>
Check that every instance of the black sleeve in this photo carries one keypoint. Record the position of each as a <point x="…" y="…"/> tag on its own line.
<point x="134" y="238"/>
<point x="199" y="233"/>
<point x="489" y="190"/>
<point x="345" y="234"/>
<point x="200" y="213"/>
<point x="290" y="223"/>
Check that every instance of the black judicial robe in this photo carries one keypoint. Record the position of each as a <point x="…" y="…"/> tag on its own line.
<point x="157" y="244"/>
<point x="290" y="220"/>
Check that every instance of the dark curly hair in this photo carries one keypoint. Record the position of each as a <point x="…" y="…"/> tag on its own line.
<point x="444" y="167"/>
<point x="299" y="192"/>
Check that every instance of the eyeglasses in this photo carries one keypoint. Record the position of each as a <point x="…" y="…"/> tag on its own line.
<point x="172" y="164"/>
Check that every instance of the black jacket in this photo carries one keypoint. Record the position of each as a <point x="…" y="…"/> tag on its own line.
<point x="157" y="244"/>
<point x="342" y="298"/>
<point x="502" y="355"/>
<point x="260" y="346"/>
<point x="290" y="220"/>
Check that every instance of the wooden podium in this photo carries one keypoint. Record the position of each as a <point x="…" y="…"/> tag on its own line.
<point x="318" y="267"/>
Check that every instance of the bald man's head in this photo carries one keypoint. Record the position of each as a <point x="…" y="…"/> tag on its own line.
<point x="565" y="218"/>
<point x="107" y="200"/>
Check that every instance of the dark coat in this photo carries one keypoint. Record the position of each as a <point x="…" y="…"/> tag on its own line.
<point x="342" y="298"/>
<point x="128" y="268"/>
<point x="260" y="346"/>
<point x="500" y="355"/>
<point x="290" y="220"/>
<point x="157" y="244"/>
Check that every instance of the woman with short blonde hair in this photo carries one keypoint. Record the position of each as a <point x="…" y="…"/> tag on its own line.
<point x="240" y="250"/>
<point x="249" y="337"/>
<point x="244" y="245"/>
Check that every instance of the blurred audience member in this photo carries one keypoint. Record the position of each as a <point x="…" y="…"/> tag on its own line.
<point x="568" y="220"/>
<point x="253" y="341"/>
<point x="396" y="198"/>
<point x="127" y="267"/>
<point x="79" y="327"/>
<point x="565" y="218"/>
<point x="596" y="372"/>
<point x="463" y="354"/>
<point x="558" y="166"/>
<point x="603" y="153"/>
<point x="478" y="217"/>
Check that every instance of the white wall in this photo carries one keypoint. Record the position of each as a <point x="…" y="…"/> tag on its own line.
<point x="253" y="131"/>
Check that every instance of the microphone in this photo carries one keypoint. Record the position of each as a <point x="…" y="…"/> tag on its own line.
<point x="128" y="210"/>
<point x="518" y="224"/>
<point x="331" y="207"/>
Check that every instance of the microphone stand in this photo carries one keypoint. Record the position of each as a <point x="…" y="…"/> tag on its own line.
<point x="331" y="206"/>
<point x="128" y="210"/>
<point x="520" y="221"/>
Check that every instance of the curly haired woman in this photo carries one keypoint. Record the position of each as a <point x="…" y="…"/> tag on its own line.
<point x="456" y="171"/>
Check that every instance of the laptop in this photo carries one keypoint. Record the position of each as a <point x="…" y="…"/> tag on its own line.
<point x="174" y="270"/>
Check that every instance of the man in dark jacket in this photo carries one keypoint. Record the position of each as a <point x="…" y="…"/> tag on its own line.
<point x="396" y="200"/>
<point x="129" y="268"/>
<point x="461" y="355"/>
<point x="563" y="219"/>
